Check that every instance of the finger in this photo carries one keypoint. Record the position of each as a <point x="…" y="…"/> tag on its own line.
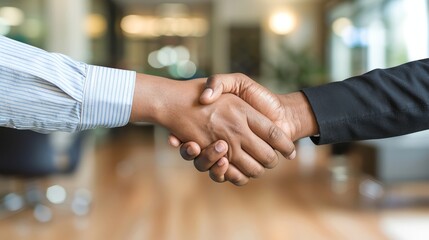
<point x="292" y="155"/>
<point x="190" y="150"/>
<point x="246" y="164"/>
<point x="210" y="155"/>
<point x="223" y="83"/>
<point x="236" y="177"/>
<point x="174" y="141"/>
<point x="270" y="133"/>
<point x="218" y="170"/>
<point x="259" y="150"/>
<point x="259" y="97"/>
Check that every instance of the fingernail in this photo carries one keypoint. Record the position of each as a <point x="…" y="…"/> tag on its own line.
<point x="190" y="151"/>
<point x="220" y="147"/>
<point x="173" y="142"/>
<point x="293" y="155"/>
<point x="208" y="92"/>
<point x="221" y="162"/>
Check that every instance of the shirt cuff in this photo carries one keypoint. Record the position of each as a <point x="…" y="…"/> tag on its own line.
<point x="107" y="98"/>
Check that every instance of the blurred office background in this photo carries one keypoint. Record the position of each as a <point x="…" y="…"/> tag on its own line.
<point x="128" y="183"/>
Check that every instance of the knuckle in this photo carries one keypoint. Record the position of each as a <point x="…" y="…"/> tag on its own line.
<point x="241" y="79"/>
<point x="236" y="128"/>
<point x="214" y="78"/>
<point x="216" y="177"/>
<point x="271" y="160"/>
<point x="256" y="172"/>
<point x="236" y="179"/>
<point x="240" y="182"/>
<point x="239" y="75"/>
<point x="210" y="156"/>
<point x="274" y="133"/>
<point x="288" y="149"/>
<point x="272" y="164"/>
<point x="291" y="147"/>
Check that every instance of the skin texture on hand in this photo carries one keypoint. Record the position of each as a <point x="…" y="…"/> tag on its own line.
<point x="249" y="135"/>
<point x="253" y="93"/>
<point x="291" y="112"/>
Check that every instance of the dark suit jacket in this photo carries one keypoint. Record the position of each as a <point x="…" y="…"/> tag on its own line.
<point x="379" y="104"/>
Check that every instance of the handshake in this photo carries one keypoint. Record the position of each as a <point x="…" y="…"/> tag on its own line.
<point x="228" y="124"/>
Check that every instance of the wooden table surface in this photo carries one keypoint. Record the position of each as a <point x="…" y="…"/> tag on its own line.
<point x="143" y="190"/>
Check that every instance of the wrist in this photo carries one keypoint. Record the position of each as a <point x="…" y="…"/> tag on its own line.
<point x="149" y="101"/>
<point x="163" y="101"/>
<point x="298" y="110"/>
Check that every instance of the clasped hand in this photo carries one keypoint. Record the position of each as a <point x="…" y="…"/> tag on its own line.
<point x="233" y="137"/>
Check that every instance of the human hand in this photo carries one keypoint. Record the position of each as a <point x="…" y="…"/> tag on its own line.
<point x="214" y="154"/>
<point x="285" y="110"/>
<point x="250" y="135"/>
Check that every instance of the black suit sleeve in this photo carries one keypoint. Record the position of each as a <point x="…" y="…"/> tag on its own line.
<point x="379" y="104"/>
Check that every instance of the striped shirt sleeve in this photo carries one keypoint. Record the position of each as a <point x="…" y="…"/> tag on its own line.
<point x="47" y="92"/>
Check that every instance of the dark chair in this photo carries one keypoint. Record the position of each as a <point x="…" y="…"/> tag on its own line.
<point x="30" y="157"/>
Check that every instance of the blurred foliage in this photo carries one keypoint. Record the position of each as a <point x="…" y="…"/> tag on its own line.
<point x="296" y="68"/>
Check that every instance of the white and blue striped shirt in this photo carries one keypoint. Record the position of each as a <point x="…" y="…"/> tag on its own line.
<point x="48" y="92"/>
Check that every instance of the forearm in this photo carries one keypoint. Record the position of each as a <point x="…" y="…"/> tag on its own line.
<point x="379" y="104"/>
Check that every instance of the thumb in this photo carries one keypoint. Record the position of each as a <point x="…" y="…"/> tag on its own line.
<point x="222" y="83"/>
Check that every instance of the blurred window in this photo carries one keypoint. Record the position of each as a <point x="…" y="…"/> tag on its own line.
<point x="23" y="20"/>
<point x="376" y="34"/>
